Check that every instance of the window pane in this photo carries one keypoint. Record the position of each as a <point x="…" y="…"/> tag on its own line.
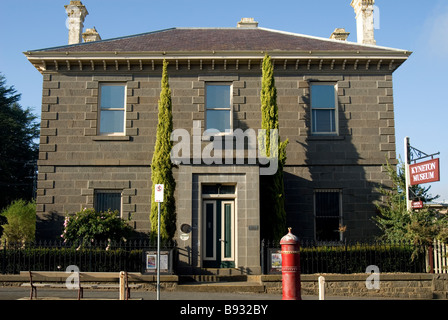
<point x="327" y="204"/>
<point x="323" y="121"/>
<point x="112" y="121"/>
<point x="210" y="189"/>
<point x="209" y="230"/>
<point x="227" y="230"/>
<point x="218" y="96"/>
<point x="218" y="119"/>
<point x="112" y="96"/>
<point x="322" y="96"/>
<point x="227" y="189"/>
<point x="105" y="201"/>
<point x="327" y="216"/>
<point x="218" y="189"/>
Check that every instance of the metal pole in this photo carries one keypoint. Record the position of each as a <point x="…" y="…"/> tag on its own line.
<point x="407" y="174"/>
<point x="122" y="291"/>
<point x="158" y="252"/>
<point x="321" y="281"/>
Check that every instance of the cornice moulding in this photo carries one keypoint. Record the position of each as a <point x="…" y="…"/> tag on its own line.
<point x="56" y="61"/>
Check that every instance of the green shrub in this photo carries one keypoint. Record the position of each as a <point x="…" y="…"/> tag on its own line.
<point x="88" y="226"/>
<point x="21" y="222"/>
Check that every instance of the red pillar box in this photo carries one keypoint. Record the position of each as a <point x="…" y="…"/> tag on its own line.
<point x="290" y="267"/>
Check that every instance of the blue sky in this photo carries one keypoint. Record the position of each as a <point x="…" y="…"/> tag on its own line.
<point x="420" y="86"/>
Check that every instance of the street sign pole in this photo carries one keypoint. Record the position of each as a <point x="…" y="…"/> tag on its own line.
<point x="407" y="174"/>
<point x="158" y="252"/>
<point x="158" y="197"/>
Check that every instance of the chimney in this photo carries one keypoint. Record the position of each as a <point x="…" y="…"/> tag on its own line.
<point x="364" y="21"/>
<point x="339" y="34"/>
<point x="76" y="12"/>
<point x="247" y="23"/>
<point x="91" y="35"/>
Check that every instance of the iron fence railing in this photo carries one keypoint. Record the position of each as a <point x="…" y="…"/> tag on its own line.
<point x="348" y="257"/>
<point x="315" y="257"/>
<point x="96" y="257"/>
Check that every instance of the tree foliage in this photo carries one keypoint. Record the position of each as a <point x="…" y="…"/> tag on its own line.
<point x="18" y="152"/>
<point x="88" y="226"/>
<point x="161" y="166"/>
<point x="397" y="223"/>
<point x="272" y="193"/>
<point x="20" y="224"/>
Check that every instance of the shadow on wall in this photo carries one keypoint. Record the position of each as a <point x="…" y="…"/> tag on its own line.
<point x="49" y="226"/>
<point x="331" y="165"/>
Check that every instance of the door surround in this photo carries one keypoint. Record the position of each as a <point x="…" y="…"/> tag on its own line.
<point x="218" y="236"/>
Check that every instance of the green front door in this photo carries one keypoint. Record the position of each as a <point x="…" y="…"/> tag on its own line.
<point x="218" y="234"/>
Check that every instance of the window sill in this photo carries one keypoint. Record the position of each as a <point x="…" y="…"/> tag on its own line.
<point x="325" y="138"/>
<point x="111" y="138"/>
<point x="221" y="135"/>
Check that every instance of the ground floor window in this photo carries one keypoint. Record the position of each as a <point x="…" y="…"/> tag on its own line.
<point x="328" y="214"/>
<point x="107" y="200"/>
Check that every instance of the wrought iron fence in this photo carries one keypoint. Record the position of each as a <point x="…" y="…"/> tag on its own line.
<point x="315" y="257"/>
<point x="348" y="257"/>
<point x="95" y="257"/>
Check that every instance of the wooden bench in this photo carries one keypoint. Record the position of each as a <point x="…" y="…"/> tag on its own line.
<point x="59" y="276"/>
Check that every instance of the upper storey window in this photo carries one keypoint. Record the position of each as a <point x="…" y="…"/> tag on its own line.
<point x="112" y="109"/>
<point x="324" y="109"/>
<point x="218" y="107"/>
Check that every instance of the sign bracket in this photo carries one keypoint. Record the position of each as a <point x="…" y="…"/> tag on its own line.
<point x="415" y="154"/>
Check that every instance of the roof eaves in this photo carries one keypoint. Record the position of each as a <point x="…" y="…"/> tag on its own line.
<point x="213" y="54"/>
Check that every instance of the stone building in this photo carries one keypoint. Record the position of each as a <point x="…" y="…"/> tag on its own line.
<point x="99" y="118"/>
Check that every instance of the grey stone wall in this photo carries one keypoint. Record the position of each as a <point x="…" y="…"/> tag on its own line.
<point x="247" y="217"/>
<point x="73" y="160"/>
<point x="393" y="286"/>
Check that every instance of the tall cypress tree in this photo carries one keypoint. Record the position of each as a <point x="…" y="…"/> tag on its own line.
<point x="272" y="194"/>
<point x="161" y="166"/>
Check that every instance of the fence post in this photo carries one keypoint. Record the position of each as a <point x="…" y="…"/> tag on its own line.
<point x="321" y="288"/>
<point x="436" y="257"/>
<point x="122" y="284"/>
<point x="431" y="258"/>
<point x="445" y="258"/>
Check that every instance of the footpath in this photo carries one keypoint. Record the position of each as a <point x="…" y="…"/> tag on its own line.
<point x="13" y="287"/>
